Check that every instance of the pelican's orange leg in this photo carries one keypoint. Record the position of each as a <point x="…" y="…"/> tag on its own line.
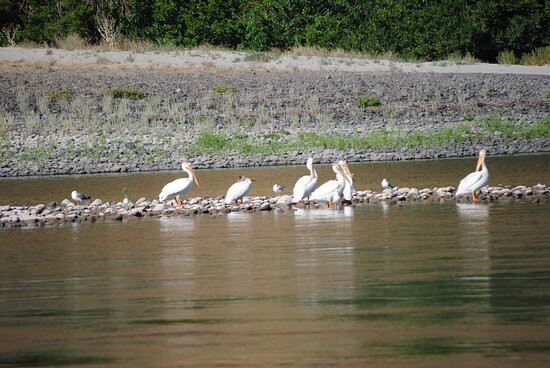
<point x="329" y="204"/>
<point x="474" y="197"/>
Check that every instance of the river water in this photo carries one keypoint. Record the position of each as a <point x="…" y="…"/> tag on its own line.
<point x="509" y="170"/>
<point x="421" y="285"/>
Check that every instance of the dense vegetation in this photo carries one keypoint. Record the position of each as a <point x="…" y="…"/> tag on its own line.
<point x="420" y="29"/>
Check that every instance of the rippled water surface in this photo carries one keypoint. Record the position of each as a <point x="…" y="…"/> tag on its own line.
<point x="511" y="170"/>
<point x="447" y="285"/>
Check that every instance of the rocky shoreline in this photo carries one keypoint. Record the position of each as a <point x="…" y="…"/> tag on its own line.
<point x="98" y="211"/>
<point x="59" y="119"/>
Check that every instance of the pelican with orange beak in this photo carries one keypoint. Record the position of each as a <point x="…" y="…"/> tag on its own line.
<point x="239" y="189"/>
<point x="331" y="191"/>
<point x="179" y="186"/>
<point x="476" y="180"/>
<point x="349" y="190"/>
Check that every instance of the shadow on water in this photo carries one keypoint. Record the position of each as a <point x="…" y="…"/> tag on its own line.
<point x="49" y="358"/>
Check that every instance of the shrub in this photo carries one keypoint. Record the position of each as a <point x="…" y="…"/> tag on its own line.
<point x="71" y="42"/>
<point x="365" y="101"/>
<point x="540" y="56"/>
<point x="129" y="93"/>
<point x="223" y="88"/>
<point x="507" y="57"/>
<point x="60" y="95"/>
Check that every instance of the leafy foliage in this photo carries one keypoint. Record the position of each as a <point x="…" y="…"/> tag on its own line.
<point x="410" y="28"/>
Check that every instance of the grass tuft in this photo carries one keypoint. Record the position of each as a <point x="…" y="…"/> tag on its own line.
<point x="366" y="101"/>
<point x="60" y="95"/>
<point x="128" y="93"/>
<point x="540" y="56"/>
<point x="507" y="57"/>
<point x="223" y="88"/>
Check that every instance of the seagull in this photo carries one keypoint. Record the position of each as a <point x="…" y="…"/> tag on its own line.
<point x="79" y="197"/>
<point x="278" y="188"/>
<point x="386" y="184"/>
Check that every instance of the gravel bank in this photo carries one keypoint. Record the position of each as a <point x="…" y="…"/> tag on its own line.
<point x="54" y="213"/>
<point x="266" y="116"/>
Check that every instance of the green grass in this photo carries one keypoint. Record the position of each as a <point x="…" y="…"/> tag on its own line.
<point x="507" y="57"/>
<point x="60" y="95"/>
<point x="129" y="93"/>
<point x="366" y="101"/>
<point x="540" y="56"/>
<point x="380" y="139"/>
<point x="246" y="123"/>
<point x="223" y="88"/>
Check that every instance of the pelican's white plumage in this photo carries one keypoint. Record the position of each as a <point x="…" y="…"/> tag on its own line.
<point x="332" y="190"/>
<point x="305" y="185"/>
<point x="386" y="184"/>
<point x="349" y="190"/>
<point x="238" y="190"/>
<point x="476" y="180"/>
<point x="78" y="197"/>
<point x="179" y="186"/>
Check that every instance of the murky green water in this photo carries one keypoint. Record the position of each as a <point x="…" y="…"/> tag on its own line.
<point x="418" y="286"/>
<point x="511" y="170"/>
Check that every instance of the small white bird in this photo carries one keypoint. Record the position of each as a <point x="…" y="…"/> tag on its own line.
<point x="386" y="184"/>
<point x="331" y="191"/>
<point x="125" y="200"/>
<point x="79" y="197"/>
<point x="349" y="190"/>
<point x="476" y="180"/>
<point x="305" y="185"/>
<point x="179" y="186"/>
<point x="278" y="188"/>
<point x="238" y="190"/>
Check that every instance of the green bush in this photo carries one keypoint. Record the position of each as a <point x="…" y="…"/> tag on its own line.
<point x="129" y="93"/>
<point x="365" y="101"/>
<point x="507" y="57"/>
<point x="540" y="56"/>
<point x="416" y="29"/>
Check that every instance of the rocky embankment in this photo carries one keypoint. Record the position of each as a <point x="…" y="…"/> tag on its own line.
<point x="63" y="119"/>
<point x="99" y="211"/>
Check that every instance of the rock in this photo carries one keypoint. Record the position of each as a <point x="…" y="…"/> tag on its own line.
<point x="284" y="200"/>
<point x="97" y="202"/>
<point x="265" y="206"/>
<point x="158" y="208"/>
<point x="28" y="218"/>
<point x="140" y="201"/>
<point x="66" y="203"/>
<point x="137" y="212"/>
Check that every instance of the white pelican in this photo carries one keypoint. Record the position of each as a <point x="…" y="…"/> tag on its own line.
<point x="78" y="197"/>
<point x="278" y="188"/>
<point x="386" y="184"/>
<point x="179" y="186"/>
<point x="332" y="190"/>
<point x="476" y="180"/>
<point x="349" y="190"/>
<point x="238" y="190"/>
<point x="305" y="185"/>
